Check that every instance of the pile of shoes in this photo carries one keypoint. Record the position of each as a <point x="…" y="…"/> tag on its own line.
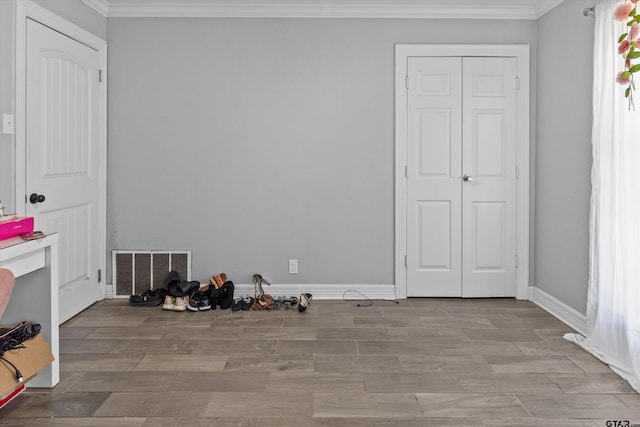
<point x="217" y="293"/>
<point x="178" y="292"/>
<point x="267" y="302"/>
<point x="262" y="301"/>
<point x="182" y="295"/>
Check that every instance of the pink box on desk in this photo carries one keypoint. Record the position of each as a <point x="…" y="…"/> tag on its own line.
<point x="16" y="227"/>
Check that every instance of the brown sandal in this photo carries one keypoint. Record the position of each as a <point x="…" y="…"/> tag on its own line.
<point x="218" y="280"/>
<point x="265" y="302"/>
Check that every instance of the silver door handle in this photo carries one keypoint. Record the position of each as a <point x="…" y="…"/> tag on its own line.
<point x="467" y="178"/>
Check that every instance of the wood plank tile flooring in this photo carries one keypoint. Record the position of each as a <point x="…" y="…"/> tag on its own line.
<point x="421" y="362"/>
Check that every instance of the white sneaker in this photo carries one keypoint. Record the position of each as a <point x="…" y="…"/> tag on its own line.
<point x="181" y="304"/>
<point x="169" y="303"/>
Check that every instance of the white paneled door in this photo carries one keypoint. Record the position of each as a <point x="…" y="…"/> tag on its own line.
<point x="461" y="177"/>
<point x="62" y="157"/>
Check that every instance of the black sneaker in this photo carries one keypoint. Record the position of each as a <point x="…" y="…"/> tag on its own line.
<point x="149" y="298"/>
<point x="204" y="304"/>
<point x="194" y="302"/>
<point x="198" y="302"/>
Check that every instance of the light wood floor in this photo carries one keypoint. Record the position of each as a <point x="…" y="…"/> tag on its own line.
<point x="422" y="362"/>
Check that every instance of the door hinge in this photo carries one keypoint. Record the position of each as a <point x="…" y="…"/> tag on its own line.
<point x="100" y="76"/>
<point x="406" y="171"/>
<point x="517" y="261"/>
<point x="517" y="83"/>
<point x="99" y="275"/>
<point x="517" y="172"/>
<point x="406" y="82"/>
<point x="405" y="261"/>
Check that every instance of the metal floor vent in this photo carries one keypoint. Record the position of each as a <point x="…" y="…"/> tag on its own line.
<point x="136" y="271"/>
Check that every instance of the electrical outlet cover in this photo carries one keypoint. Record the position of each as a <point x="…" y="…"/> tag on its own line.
<point x="293" y="266"/>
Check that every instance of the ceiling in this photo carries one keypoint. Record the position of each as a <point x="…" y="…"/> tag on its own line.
<point x="424" y="9"/>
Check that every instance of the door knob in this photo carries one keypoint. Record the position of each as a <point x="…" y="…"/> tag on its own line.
<point x="36" y="198"/>
<point x="467" y="178"/>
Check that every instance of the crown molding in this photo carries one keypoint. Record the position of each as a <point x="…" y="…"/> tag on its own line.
<point x="409" y="9"/>
<point x="100" y="6"/>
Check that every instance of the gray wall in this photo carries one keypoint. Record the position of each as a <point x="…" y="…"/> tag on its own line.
<point x="7" y="183"/>
<point x="563" y="152"/>
<point x="253" y="141"/>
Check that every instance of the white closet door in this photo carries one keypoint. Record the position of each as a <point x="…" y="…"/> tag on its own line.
<point x="489" y="193"/>
<point x="434" y="153"/>
<point x="62" y="157"/>
<point x="461" y="160"/>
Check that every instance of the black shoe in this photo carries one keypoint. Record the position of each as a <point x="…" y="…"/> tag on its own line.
<point x="204" y="304"/>
<point x="194" y="302"/>
<point x="198" y="302"/>
<point x="149" y="298"/>
<point x="247" y="303"/>
<point x="214" y="297"/>
<point x="226" y="299"/>
<point x="173" y="278"/>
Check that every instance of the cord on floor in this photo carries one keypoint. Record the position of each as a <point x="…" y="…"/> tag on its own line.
<point x="369" y="300"/>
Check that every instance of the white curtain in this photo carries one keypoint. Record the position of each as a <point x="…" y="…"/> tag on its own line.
<point x="613" y="306"/>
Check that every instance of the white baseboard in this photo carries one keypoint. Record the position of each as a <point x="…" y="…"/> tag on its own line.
<point x="318" y="290"/>
<point x="108" y="291"/>
<point x="571" y="317"/>
<point x="323" y="291"/>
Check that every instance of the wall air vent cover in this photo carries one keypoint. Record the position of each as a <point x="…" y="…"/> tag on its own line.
<point x="136" y="271"/>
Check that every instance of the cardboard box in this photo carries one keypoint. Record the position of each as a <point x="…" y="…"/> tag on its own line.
<point x="4" y="401"/>
<point x="29" y="360"/>
<point x="16" y="227"/>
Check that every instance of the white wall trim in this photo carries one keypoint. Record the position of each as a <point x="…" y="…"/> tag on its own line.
<point x="569" y="316"/>
<point x="323" y="291"/>
<point x="27" y="9"/>
<point x="521" y="53"/>
<point x="318" y="290"/>
<point x="100" y="6"/>
<point x="433" y="9"/>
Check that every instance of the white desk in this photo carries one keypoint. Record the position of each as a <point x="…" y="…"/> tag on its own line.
<point x="35" y="294"/>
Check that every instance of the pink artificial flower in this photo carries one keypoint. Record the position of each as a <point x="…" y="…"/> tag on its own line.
<point x="624" y="46"/>
<point x="623" y="80"/>
<point x="634" y="31"/>
<point x="634" y="1"/>
<point x="622" y="12"/>
<point x="627" y="63"/>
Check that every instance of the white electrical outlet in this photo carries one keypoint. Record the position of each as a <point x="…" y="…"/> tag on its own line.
<point x="293" y="266"/>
